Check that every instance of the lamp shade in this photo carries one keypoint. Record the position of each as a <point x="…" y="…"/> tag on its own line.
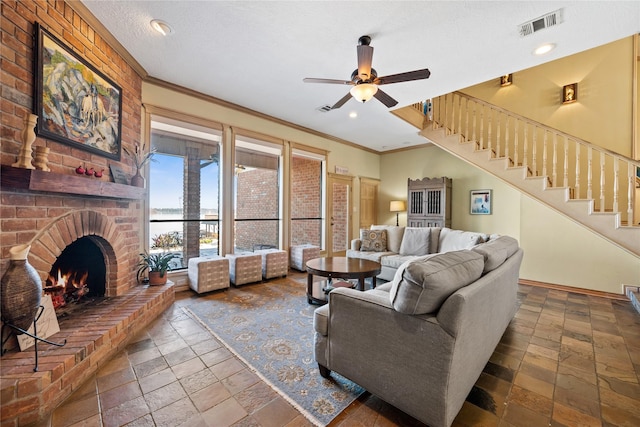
<point x="397" y="206"/>
<point x="363" y="91"/>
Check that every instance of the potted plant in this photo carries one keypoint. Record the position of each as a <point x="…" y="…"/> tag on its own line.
<point x="156" y="265"/>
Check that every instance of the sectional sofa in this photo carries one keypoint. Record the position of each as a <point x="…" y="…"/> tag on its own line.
<point x="392" y="246"/>
<point x="421" y="341"/>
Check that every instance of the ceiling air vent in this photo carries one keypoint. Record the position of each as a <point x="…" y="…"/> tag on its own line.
<point x="545" y="21"/>
<point x="324" y="108"/>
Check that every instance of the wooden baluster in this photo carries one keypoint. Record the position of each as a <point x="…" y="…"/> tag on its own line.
<point x="467" y="133"/>
<point x="475" y="122"/>
<point x="525" y="149"/>
<point x="452" y="115"/>
<point x="482" y="127"/>
<point x="534" y="160"/>
<point x="516" y="130"/>
<point x="630" y="193"/>
<point x="589" y="173"/>
<point x="602" y="182"/>
<point x="498" y="127"/>
<point x="506" y="138"/>
<point x="616" y="183"/>
<point x="460" y="115"/>
<point x="554" y="170"/>
<point x="489" y="122"/>
<point x="544" y="154"/>
<point x="566" y="162"/>
<point x="447" y="130"/>
<point x="577" y="194"/>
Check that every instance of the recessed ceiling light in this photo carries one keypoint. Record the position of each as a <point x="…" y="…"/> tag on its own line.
<point x="161" y="27"/>
<point x="545" y="48"/>
<point x="353" y="114"/>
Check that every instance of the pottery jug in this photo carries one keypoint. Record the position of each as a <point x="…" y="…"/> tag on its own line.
<point x="20" y="290"/>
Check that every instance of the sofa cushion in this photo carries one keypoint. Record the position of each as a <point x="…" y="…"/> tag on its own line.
<point x="395" y="261"/>
<point x="373" y="240"/>
<point x="422" y="285"/>
<point x="394" y="236"/>
<point x="435" y="240"/>
<point x="371" y="256"/>
<point x="416" y="241"/>
<point x="496" y="251"/>
<point x="456" y="240"/>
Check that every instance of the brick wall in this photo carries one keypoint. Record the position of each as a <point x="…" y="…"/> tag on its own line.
<point x="257" y="197"/>
<point x="24" y="214"/>
<point x="51" y="220"/>
<point x="306" y="178"/>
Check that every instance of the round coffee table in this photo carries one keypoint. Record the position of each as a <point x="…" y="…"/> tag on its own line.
<point x="340" y="267"/>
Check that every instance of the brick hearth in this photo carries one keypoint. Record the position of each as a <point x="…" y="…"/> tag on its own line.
<point x="94" y="334"/>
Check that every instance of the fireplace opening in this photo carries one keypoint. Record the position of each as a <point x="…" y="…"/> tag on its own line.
<point x="77" y="277"/>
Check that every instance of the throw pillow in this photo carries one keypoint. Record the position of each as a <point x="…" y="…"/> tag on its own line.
<point x="415" y="241"/>
<point x="373" y="240"/>
<point x="394" y="236"/>
<point x="455" y="240"/>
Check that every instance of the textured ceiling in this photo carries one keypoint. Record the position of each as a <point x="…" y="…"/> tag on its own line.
<point x="256" y="53"/>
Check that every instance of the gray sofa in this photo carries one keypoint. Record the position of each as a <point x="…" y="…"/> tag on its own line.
<point x="392" y="246"/>
<point x="421" y="341"/>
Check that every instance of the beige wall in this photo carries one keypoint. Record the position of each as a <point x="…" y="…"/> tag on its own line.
<point x="560" y="251"/>
<point x="557" y="250"/>
<point x="602" y="115"/>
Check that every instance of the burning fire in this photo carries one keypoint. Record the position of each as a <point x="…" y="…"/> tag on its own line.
<point x="67" y="288"/>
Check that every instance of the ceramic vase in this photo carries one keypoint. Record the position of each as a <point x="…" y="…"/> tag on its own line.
<point x="137" y="180"/>
<point x="20" y="290"/>
<point x="28" y="137"/>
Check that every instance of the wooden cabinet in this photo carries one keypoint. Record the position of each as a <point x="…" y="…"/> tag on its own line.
<point x="429" y="202"/>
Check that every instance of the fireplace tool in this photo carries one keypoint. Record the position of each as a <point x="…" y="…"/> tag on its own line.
<point x="35" y="336"/>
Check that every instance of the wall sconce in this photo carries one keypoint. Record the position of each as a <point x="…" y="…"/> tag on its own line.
<point x="506" y="80"/>
<point x="570" y="93"/>
<point x="397" y="206"/>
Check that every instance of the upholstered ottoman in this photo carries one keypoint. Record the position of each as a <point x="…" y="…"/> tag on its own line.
<point x="244" y="268"/>
<point x="208" y="273"/>
<point x="274" y="263"/>
<point x="300" y="254"/>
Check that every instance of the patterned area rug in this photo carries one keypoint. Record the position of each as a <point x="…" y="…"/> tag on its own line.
<point x="270" y="327"/>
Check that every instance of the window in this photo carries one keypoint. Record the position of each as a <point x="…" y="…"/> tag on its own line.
<point x="183" y="190"/>
<point x="307" y="207"/>
<point x="257" y="195"/>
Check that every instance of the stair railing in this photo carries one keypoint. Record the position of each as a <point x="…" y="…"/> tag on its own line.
<point x="562" y="159"/>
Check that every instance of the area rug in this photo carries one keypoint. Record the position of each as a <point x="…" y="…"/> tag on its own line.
<point x="269" y="326"/>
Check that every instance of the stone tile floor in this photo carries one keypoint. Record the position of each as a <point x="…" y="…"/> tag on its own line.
<point x="567" y="359"/>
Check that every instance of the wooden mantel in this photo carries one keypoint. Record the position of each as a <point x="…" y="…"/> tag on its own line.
<point x="50" y="182"/>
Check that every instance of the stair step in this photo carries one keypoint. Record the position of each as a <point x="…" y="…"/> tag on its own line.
<point x="634" y="296"/>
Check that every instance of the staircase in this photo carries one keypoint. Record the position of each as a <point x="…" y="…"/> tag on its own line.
<point x="589" y="184"/>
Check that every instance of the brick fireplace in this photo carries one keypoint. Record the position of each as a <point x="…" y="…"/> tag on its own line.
<point x="51" y="210"/>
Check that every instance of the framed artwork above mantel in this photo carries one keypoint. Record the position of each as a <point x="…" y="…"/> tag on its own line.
<point x="75" y="103"/>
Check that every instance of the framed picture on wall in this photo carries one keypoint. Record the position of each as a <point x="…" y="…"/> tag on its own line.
<point x="480" y="202"/>
<point x="75" y="103"/>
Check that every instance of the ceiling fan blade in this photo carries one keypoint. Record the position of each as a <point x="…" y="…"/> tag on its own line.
<point x="403" y="77"/>
<point x="332" y="81"/>
<point x="385" y="99"/>
<point x="342" y="101"/>
<point x="365" y="56"/>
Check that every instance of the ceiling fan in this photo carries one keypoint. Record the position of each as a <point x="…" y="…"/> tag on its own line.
<point x="365" y="80"/>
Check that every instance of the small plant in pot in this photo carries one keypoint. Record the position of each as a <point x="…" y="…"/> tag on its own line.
<point x="156" y="265"/>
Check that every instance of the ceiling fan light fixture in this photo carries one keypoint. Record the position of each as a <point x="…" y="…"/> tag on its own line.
<point x="363" y="91"/>
<point x="161" y="27"/>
